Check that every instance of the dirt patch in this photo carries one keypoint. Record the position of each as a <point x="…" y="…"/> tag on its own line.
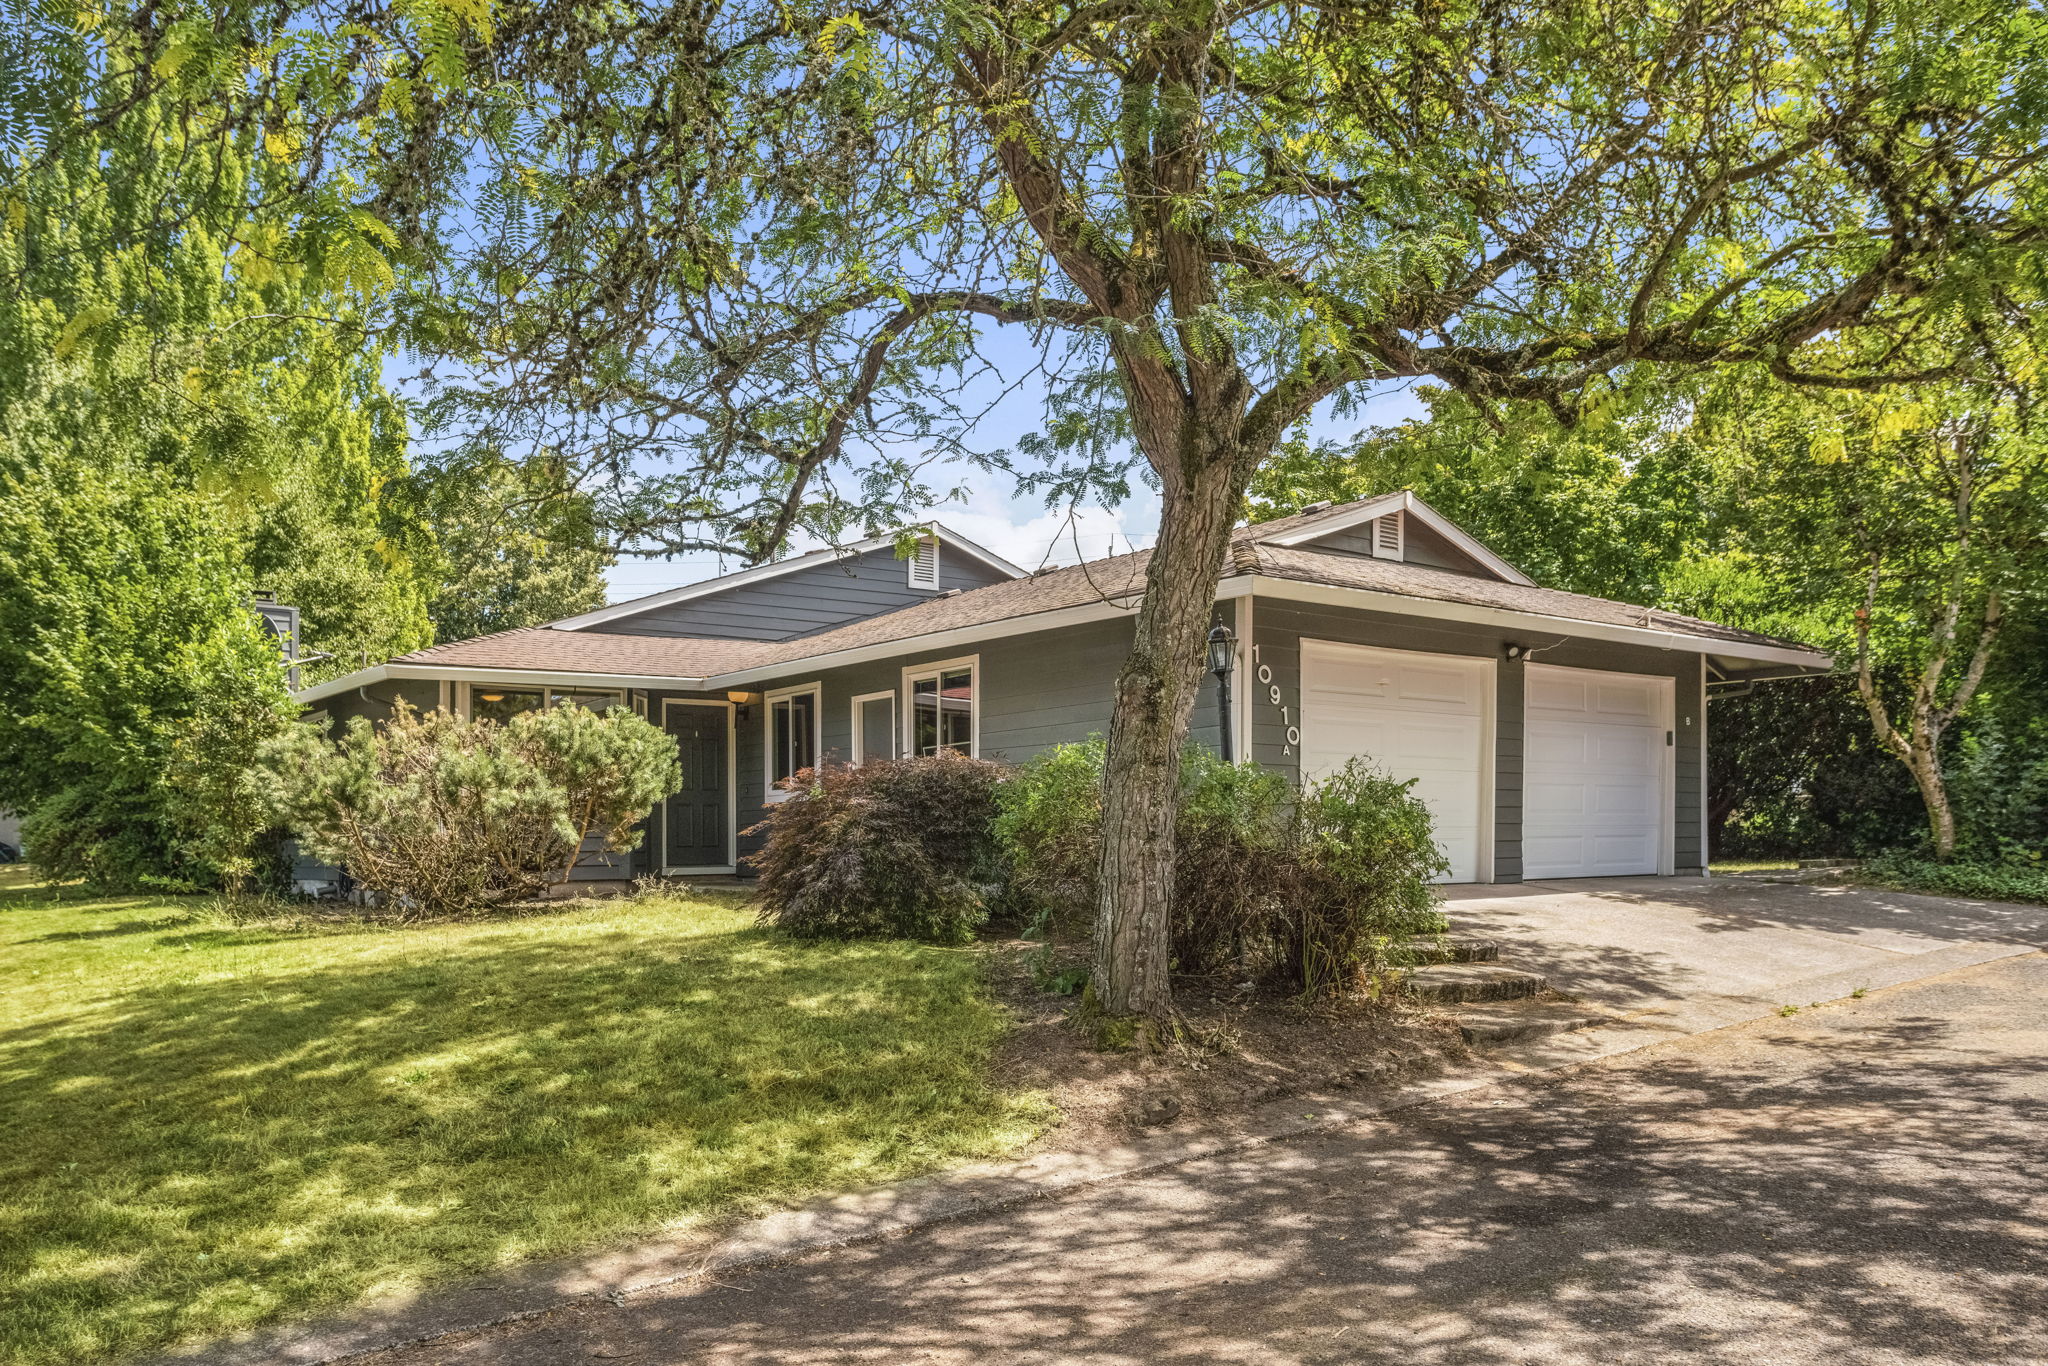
<point x="1254" y="1047"/>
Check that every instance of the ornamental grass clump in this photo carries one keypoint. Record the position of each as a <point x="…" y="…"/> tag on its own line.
<point x="1316" y="891"/>
<point x="891" y="848"/>
<point x="439" y="815"/>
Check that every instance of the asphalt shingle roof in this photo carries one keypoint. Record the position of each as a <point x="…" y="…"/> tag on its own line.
<point x="1119" y="577"/>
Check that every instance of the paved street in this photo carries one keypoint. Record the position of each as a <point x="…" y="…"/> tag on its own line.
<point x="1856" y="1185"/>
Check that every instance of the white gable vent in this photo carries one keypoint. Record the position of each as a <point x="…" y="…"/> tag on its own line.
<point x="924" y="565"/>
<point x="1386" y="536"/>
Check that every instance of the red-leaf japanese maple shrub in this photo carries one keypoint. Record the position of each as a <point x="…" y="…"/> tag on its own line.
<point x="891" y="848"/>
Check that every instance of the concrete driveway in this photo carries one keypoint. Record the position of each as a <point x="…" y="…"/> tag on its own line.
<point x="1685" y="954"/>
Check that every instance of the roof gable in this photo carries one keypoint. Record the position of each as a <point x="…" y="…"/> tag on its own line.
<point x="972" y="565"/>
<point x="1340" y="529"/>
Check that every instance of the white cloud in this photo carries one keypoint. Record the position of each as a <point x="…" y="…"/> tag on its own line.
<point x="1026" y="532"/>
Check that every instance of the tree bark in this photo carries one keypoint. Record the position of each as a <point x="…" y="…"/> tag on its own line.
<point x="1925" y="765"/>
<point x="1155" y="696"/>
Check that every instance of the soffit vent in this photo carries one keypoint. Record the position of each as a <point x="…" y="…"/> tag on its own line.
<point x="1387" y="533"/>
<point x="924" y="565"/>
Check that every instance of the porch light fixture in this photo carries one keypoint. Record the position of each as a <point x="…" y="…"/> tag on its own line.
<point x="490" y="697"/>
<point x="740" y="697"/>
<point x="1222" y="660"/>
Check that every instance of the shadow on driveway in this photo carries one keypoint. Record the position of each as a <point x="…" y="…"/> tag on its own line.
<point x="1859" y="1185"/>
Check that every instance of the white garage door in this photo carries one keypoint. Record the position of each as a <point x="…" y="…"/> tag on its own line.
<point x="1415" y="716"/>
<point x="1594" y="799"/>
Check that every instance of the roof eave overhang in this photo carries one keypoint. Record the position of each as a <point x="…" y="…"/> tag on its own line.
<point x="1799" y="659"/>
<point x="382" y="673"/>
<point x="1656" y="637"/>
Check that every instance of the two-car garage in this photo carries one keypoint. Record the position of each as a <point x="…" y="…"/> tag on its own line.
<point x="1596" y="764"/>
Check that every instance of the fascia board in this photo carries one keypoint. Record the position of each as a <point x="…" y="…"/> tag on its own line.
<point x="1336" y="520"/>
<point x="381" y="673"/>
<point x="334" y="687"/>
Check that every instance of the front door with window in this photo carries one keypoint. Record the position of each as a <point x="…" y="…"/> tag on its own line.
<point x="694" y="833"/>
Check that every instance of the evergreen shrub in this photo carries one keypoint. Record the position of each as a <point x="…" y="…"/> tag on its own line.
<point x="1317" y="891"/>
<point x="438" y="815"/>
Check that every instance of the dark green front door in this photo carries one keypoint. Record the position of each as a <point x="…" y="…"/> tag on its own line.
<point x="695" y="831"/>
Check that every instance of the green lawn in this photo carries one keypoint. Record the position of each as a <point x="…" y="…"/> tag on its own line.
<point x="205" y="1127"/>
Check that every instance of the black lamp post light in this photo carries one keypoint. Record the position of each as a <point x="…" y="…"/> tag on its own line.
<point x="1222" y="660"/>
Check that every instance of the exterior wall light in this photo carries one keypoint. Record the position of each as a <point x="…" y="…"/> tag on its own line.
<point x="1222" y="661"/>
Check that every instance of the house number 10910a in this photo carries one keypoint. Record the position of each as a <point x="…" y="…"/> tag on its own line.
<point x="1265" y="676"/>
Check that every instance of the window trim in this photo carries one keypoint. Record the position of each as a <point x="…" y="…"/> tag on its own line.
<point x="853" y="747"/>
<point x="913" y="673"/>
<point x="816" y="688"/>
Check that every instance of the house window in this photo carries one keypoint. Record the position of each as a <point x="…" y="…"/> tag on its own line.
<point x="942" y="711"/>
<point x="792" y="735"/>
<point x="488" y="702"/>
<point x="492" y="702"/>
<point x="924" y="565"/>
<point x="874" y="726"/>
<point x="595" y="701"/>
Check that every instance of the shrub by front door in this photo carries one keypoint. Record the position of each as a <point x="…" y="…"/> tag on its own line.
<point x="694" y="823"/>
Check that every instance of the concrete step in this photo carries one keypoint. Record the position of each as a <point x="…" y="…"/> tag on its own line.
<point x="1451" y="983"/>
<point x="1455" y="948"/>
<point x="1510" y="1021"/>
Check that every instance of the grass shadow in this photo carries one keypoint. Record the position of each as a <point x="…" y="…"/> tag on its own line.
<point x="243" y="1128"/>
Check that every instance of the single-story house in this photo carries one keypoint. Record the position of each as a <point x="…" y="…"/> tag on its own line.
<point x="1552" y="734"/>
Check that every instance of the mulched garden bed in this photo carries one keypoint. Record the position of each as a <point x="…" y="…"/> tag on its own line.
<point x="1249" y="1047"/>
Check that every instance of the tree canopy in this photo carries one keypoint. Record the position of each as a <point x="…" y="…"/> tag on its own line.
<point x="737" y="268"/>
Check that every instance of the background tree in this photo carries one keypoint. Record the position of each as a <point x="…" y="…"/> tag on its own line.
<point x="736" y="263"/>
<point x="1920" y="519"/>
<point x="511" y="547"/>
<point x="183" y="420"/>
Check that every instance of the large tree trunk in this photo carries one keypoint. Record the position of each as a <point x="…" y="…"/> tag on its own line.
<point x="1155" y="695"/>
<point x="1925" y="765"/>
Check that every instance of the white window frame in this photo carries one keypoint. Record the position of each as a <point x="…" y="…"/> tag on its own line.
<point x="853" y="748"/>
<point x="917" y="555"/>
<point x="769" y="791"/>
<point x="732" y="793"/>
<point x="907" y="709"/>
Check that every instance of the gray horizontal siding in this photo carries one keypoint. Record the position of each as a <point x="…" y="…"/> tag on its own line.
<point x="806" y="600"/>
<point x="1278" y="629"/>
<point x="1420" y="544"/>
<point x="1045" y="688"/>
